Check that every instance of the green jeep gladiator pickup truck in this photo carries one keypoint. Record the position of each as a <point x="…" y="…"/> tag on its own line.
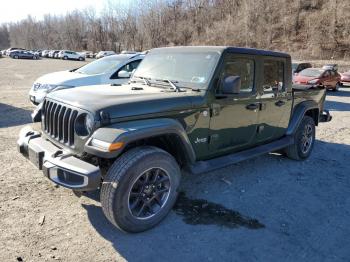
<point x="194" y="108"/>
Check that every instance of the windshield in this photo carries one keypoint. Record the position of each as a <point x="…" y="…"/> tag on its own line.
<point x="100" y="66"/>
<point x="187" y="68"/>
<point x="311" y="72"/>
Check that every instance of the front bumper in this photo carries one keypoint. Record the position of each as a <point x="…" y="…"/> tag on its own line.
<point x="60" y="167"/>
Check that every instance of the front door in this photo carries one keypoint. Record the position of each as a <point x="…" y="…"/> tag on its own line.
<point x="275" y="99"/>
<point x="234" y="117"/>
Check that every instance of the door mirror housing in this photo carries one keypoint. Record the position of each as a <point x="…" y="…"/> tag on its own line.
<point x="124" y="74"/>
<point x="231" y="85"/>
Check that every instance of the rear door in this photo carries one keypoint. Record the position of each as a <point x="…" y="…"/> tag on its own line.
<point x="275" y="98"/>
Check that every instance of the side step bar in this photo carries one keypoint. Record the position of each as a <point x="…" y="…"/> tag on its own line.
<point x="223" y="161"/>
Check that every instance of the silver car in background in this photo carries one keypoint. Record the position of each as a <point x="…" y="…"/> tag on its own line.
<point x="115" y="69"/>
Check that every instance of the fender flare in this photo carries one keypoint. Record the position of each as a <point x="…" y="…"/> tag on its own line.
<point x="298" y="113"/>
<point x="128" y="132"/>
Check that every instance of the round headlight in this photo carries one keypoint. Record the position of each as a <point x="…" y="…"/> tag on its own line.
<point x="84" y="124"/>
<point x="89" y="123"/>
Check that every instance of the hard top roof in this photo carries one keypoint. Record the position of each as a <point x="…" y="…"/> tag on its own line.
<point x="221" y="49"/>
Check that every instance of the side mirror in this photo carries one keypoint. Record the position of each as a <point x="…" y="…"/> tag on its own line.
<point x="124" y="74"/>
<point x="231" y="85"/>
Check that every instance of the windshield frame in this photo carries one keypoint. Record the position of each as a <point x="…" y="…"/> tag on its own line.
<point x="159" y="81"/>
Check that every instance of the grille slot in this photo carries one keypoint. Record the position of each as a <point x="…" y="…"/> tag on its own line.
<point x="58" y="122"/>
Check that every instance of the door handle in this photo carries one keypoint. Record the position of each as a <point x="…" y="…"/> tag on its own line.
<point x="280" y="103"/>
<point x="252" y="107"/>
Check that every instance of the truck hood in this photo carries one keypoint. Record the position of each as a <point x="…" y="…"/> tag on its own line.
<point x="128" y="100"/>
<point x="68" y="78"/>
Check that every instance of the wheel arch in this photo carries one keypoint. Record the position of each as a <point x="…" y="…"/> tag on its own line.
<point x="306" y="108"/>
<point x="167" y="134"/>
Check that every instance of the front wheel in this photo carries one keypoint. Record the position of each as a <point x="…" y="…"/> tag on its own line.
<point x="304" y="139"/>
<point x="140" y="188"/>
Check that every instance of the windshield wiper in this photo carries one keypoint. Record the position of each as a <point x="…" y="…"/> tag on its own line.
<point x="144" y="79"/>
<point x="171" y="84"/>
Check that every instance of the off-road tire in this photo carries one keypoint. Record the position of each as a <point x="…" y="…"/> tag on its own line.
<point x="295" y="151"/>
<point x="120" y="179"/>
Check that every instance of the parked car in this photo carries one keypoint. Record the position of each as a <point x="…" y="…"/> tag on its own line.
<point x="52" y="53"/>
<point x="299" y="66"/>
<point x="13" y="49"/>
<point x="114" y="69"/>
<point x="56" y="53"/>
<point x="345" y="78"/>
<point x="0" y="54"/>
<point x="45" y="53"/>
<point x="104" y="53"/>
<point x="88" y="54"/>
<point x="186" y="108"/>
<point x="23" y="54"/>
<point x="70" y="55"/>
<point x="333" y="67"/>
<point x="319" y="76"/>
<point x="128" y="52"/>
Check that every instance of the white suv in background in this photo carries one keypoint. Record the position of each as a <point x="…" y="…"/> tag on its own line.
<point x="104" y="53"/>
<point x="71" y="55"/>
<point x="114" y="69"/>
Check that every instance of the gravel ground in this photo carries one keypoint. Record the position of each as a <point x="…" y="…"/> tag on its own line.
<point x="275" y="209"/>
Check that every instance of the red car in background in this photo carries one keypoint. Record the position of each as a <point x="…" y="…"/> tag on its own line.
<point x="319" y="76"/>
<point x="345" y="78"/>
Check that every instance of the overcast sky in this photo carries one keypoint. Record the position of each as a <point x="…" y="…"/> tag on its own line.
<point x="14" y="10"/>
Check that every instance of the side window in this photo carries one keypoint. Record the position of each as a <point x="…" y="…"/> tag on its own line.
<point x="131" y="66"/>
<point x="242" y="67"/>
<point x="273" y="76"/>
<point x="128" y="68"/>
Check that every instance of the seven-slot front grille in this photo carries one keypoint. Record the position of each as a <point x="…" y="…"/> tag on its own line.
<point x="58" y="122"/>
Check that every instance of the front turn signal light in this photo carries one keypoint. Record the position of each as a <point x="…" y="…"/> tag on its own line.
<point x="115" y="146"/>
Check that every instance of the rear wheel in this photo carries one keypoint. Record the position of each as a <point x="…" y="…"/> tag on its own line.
<point x="304" y="139"/>
<point x="65" y="58"/>
<point x="140" y="188"/>
<point x="81" y="59"/>
<point x="16" y="57"/>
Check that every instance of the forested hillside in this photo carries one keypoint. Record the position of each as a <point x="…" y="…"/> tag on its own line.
<point x="306" y="28"/>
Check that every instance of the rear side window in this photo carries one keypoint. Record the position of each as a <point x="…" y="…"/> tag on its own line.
<point x="273" y="76"/>
<point x="242" y="67"/>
